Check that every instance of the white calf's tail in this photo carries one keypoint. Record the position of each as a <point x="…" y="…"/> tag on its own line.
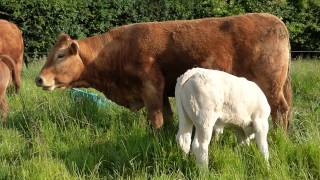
<point x="186" y="76"/>
<point x="185" y="124"/>
<point x="180" y="82"/>
<point x="178" y="98"/>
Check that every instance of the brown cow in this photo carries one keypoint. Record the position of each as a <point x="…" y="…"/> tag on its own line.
<point x="11" y="44"/>
<point x="138" y="64"/>
<point x="8" y="72"/>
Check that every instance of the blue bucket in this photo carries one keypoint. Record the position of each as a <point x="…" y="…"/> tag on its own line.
<point x="78" y="93"/>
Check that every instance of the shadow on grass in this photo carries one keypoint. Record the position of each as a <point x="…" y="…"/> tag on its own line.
<point x="58" y="109"/>
<point x="117" y="142"/>
<point x="128" y="154"/>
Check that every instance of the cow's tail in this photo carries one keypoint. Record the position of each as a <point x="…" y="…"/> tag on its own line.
<point x="25" y="57"/>
<point x="12" y="66"/>
<point x="26" y="60"/>
<point x="287" y="90"/>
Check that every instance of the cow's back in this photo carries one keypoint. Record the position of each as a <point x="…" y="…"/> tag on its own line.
<point x="11" y="41"/>
<point x="235" y="44"/>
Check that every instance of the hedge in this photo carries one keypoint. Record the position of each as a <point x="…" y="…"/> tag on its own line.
<point x="41" y="21"/>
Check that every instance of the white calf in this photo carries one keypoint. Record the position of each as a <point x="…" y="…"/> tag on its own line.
<point x="209" y="100"/>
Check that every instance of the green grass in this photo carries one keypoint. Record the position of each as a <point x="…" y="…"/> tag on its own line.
<point x="50" y="135"/>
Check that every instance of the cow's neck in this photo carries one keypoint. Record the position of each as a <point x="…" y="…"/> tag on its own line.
<point x="91" y="46"/>
<point x="99" y="59"/>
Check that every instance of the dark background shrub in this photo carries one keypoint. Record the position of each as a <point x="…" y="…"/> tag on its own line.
<point x="41" y="21"/>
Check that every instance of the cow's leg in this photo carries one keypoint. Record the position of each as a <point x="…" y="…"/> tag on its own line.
<point x="154" y="110"/>
<point x="271" y="88"/>
<point x="152" y="96"/>
<point x="272" y="84"/>
<point x="18" y="67"/>
<point x="287" y="93"/>
<point x="4" y="107"/>
<point x="279" y="109"/>
<point x="167" y="111"/>
<point x="284" y="111"/>
<point x="18" y="75"/>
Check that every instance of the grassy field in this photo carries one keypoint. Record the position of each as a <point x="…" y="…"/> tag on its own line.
<point x="51" y="135"/>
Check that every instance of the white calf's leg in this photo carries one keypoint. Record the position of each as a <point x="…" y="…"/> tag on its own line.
<point x="217" y="130"/>
<point x="241" y="136"/>
<point x="262" y="127"/>
<point x="183" y="136"/>
<point x="200" y="145"/>
<point x="249" y="134"/>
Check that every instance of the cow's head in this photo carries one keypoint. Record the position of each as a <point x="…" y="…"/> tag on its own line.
<point x="63" y="66"/>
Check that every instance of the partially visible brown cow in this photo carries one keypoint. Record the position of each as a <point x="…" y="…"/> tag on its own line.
<point x="11" y="44"/>
<point x="8" y="72"/>
<point x="138" y="64"/>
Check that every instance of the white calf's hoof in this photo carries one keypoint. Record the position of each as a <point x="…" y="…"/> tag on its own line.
<point x="183" y="143"/>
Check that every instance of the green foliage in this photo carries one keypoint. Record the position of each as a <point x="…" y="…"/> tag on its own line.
<point x="42" y="21"/>
<point x="305" y="26"/>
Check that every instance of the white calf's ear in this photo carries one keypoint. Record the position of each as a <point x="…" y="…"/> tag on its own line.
<point x="74" y="47"/>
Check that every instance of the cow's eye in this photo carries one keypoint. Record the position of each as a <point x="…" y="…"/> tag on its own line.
<point x="60" y="56"/>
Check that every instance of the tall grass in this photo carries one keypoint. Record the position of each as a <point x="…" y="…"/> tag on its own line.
<point x="51" y="135"/>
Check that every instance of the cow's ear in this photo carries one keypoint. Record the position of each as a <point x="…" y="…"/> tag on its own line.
<point x="74" y="47"/>
<point x="63" y="37"/>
